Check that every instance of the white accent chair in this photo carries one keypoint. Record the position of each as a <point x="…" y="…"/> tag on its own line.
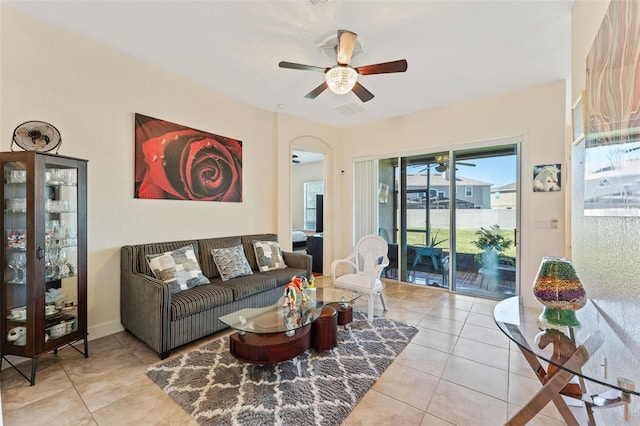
<point x="367" y="263"/>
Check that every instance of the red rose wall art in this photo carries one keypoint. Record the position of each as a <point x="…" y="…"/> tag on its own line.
<point x="179" y="163"/>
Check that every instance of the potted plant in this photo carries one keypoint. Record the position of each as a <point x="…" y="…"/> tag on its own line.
<point x="492" y="245"/>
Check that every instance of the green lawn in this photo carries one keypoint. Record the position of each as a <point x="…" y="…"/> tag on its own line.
<point x="464" y="239"/>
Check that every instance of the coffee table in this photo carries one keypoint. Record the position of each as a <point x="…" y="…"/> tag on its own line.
<point x="278" y="333"/>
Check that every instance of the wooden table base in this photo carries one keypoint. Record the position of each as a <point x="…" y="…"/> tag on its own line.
<point x="269" y="348"/>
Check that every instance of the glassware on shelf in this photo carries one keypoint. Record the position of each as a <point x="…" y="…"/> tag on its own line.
<point x="16" y="238"/>
<point x="18" y="262"/>
<point x="16" y="205"/>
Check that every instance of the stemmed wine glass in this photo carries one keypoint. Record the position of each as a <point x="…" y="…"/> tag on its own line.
<point x="20" y="262"/>
<point x="12" y="265"/>
<point x="61" y="260"/>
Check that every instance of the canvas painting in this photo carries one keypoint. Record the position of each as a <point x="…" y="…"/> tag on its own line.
<point x="547" y="178"/>
<point x="177" y="162"/>
<point x="612" y="145"/>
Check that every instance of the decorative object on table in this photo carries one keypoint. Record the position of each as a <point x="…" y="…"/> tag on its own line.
<point x="37" y="136"/>
<point x="563" y="349"/>
<point x="559" y="289"/>
<point x="180" y="163"/>
<point x="215" y="388"/>
<point x="547" y="178"/>
<point x="297" y="287"/>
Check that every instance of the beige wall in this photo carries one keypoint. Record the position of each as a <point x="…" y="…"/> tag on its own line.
<point x="535" y="115"/>
<point x="91" y="94"/>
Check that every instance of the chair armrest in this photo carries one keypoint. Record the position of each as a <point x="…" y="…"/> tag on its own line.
<point x="380" y="267"/>
<point x="348" y="260"/>
<point x="298" y="260"/>
<point x="145" y="305"/>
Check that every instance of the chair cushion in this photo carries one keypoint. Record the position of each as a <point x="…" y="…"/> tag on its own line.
<point x="359" y="282"/>
<point x="199" y="299"/>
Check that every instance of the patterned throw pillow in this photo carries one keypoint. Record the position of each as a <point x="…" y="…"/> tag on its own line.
<point x="178" y="268"/>
<point x="268" y="255"/>
<point x="231" y="262"/>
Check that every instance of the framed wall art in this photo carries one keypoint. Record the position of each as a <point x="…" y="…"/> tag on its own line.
<point x="177" y="162"/>
<point x="547" y="178"/>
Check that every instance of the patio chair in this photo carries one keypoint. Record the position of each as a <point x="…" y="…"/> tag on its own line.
<point x="367" y="262"/>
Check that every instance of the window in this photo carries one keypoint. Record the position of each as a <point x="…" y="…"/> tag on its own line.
<point x="497" y="195"/>
<point x="468" y="191"/>
<point x="311" y="189"/>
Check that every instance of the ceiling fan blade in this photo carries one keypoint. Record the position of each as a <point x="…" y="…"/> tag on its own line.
<point x="362" y="93"/>
<point x="458" y="163"/>
<point x="346" y="43"/>
<point x="383" y="68"/>
<point x="292" y="65"/>
<point x="315" y="92"/>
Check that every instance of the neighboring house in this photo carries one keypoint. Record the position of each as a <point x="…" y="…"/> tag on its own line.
<point x="504" y="197"/>
<point x="470" y="193"/>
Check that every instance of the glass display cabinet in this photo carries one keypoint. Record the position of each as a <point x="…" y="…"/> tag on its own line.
<point x="44" y="256"/>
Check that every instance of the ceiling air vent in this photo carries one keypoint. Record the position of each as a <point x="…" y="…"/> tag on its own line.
<point x="317" y="2"/>
<point x="349" y="109"/>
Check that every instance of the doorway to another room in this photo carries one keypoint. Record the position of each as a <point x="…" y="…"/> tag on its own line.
<point x="307" y="202"/>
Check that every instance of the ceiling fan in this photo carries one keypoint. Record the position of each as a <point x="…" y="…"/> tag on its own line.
<point x="343" y="78"/>
<point x="443" y="164"/>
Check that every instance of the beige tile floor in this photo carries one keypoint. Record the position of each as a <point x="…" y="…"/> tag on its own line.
<point x="458" y="370"/>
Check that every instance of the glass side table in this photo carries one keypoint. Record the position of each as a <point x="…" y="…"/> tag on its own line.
<point x="593" y="351"/>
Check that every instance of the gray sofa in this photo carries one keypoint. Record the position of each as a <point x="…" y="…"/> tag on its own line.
<point x="165" y="321"/>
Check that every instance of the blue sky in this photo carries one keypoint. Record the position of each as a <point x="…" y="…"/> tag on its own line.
<point x="498" y="171"/>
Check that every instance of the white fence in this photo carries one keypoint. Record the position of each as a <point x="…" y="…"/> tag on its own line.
<point x="465" y="219"/>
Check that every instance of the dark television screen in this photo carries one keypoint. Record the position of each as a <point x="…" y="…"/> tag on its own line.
<point x="319" y="213"/>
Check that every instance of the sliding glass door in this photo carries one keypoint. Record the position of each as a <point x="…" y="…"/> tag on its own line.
<point x="450" y="219"/>
<point x="486" y="220"/>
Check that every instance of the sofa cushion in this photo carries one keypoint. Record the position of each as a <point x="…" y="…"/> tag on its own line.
<point x="178" y="268"/>
<point x="247" y="243"/>
<point x="209" y="268"/>
<point x="283" y="276"/>
<point x="249" y="285"/>
<point x="199" y="299"/>
<point x="231" y="262"/>
<point x="158" y="248"/>
<point x="268" y="255"/>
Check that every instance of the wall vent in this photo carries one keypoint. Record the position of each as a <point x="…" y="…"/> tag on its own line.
<point x="349" y="109"/>
<point x="317" y="2"/>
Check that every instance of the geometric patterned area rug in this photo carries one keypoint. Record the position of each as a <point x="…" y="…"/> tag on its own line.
<point x="216" y="389"/>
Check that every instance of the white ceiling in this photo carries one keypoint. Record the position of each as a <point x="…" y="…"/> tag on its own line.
<point x="456" y="50"/>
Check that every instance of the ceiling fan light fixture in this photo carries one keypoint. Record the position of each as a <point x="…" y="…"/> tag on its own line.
<point x="341" y="79"/>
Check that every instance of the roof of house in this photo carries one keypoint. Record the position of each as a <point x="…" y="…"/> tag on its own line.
<point x="504" y="188"/>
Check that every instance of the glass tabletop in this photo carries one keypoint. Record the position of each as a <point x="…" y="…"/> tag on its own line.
<point x="280" y="317"/>
<point x="593" y="350"/>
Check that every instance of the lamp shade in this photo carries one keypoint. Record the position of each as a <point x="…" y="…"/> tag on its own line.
<point x="559" y="289"/>
<point x="341" y="79"/>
